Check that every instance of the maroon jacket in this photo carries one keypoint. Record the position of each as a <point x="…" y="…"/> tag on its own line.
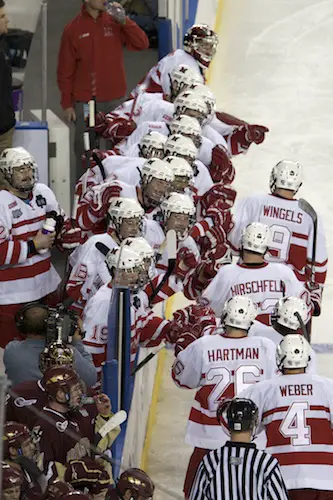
<point x="91" y="59"/>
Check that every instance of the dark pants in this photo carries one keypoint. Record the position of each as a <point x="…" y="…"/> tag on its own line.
<point x="193" y="465"/>
<point x="80" y="127"/>
<point x="310" y="494"/>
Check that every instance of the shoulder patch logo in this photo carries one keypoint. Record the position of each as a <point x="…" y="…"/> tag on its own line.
<point x="17" y="213"/>
<point x="40" y="201"/>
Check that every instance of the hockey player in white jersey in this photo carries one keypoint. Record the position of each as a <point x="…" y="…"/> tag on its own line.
<point x="291" y="227"/>
<point x="147" y="329"/>
<point x="264" y="282"/>
<point x="296" y="410"/>
<point x="155" y="185"/>
<point x="26" y="272"/>
<point x="125" y="220"/>
<point x="220" y="366"/>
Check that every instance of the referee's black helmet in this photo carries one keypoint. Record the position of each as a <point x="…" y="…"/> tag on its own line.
<point x="241" y="414"/>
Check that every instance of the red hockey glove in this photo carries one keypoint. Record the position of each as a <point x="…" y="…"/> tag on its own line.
<point x="201" y="315"/>
<point x="256" y="133"/>
<point x="71" y="236"/>
<point x="100" y="122"/>
<point x="316" y="295"/>
<point x="102" y="194"/>
<point x="221" y="168"/>
<point x="174" y="329"/>
<point x="186" y="338"/>
<point x="118" y="128"/>
<point x="245" y="135"/>
<point x="213" y="261"/>
<point x="218" y="192"/>
<point x="186" y="260"/>
<point x="214" y="237"/>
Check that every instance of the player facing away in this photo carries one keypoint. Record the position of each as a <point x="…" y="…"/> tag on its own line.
<point x="229" y="472"/>
<point x="291" y="227"/>
<point x="296" y="410"/>
<point x="220" y="366"/>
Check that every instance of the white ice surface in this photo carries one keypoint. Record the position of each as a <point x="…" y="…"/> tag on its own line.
<point x="273" y="67"/>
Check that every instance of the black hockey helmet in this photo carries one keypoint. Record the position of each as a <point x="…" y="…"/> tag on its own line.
<point x="241" y="414"/>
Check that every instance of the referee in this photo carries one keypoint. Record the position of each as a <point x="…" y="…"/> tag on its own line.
<point x="238" y="470"/>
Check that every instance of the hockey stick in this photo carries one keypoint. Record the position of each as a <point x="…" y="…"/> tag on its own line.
<point x="117" y="419"/>
<point x="171" y="244"/>
<point x="305" y="332"/>
<point x="100" y="165"/>
<point x="148" y="358"/>
<point x="308" y="209"/>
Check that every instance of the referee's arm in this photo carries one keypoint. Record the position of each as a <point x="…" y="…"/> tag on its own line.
<point x="275" y="486"/>
<point x="200" y="484"/>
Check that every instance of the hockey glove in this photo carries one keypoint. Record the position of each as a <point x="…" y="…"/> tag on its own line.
<point x="221" y="168"/>
<point x="100" y="122"/>
<point x="186" y="338"/>
<point x="118" y="128"/>
<point x="245" y="135"/>
<point x="186" y="260"/>
<point x="102" y="194"/>
<point x="218" y="192"/>
<point x="86" y="472"/>
<point x="316" y="295"/>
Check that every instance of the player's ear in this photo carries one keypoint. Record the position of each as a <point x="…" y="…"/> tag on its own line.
<point x="12" y="451"/>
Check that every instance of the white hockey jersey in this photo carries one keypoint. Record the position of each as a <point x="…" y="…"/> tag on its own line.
<point x="24" y="277"/>
<point x="220" y="367"/>
<point x="147" y="329"/>
<point x="297" y="413"/>
<point x="292" y="233"/>
<point x="265" y="284"/>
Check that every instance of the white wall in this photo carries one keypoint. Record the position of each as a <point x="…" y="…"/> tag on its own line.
<point x="206" y="12"/>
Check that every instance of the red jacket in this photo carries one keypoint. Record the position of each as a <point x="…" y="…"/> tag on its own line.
<point x="91" y="59"/>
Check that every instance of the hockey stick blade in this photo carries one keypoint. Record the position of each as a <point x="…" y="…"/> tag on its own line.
<point x="118" y="418"/>
<point x="102" y="248"/>
<point x="148" y="358"/>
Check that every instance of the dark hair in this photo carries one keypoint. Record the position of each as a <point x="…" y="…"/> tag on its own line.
<point x="2" y="4"/>
<point x="35" y="320"/>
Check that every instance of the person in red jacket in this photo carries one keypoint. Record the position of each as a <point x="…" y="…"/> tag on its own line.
<point x="91" y="62"/>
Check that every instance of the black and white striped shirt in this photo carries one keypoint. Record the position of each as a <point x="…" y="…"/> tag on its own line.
<point x="238" y="471"/>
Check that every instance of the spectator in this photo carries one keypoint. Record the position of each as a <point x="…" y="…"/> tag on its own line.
<point x="7" y="115"/>
<point x="91" y="63"/>
<point x="21" y="358"/>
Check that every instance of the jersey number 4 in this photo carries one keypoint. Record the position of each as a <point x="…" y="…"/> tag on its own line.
<point x="294" y="426"/>
<point x="223" y="378"/>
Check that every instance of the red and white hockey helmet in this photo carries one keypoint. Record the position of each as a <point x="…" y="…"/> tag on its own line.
<point x="142" y="247"/>
<point x="287" y="312"/>
<point x="179" y="205"/>
<point x="188" y="127"/>
<point x="182" y="147"/>
<point x="157" y="179"/>
<point x="126" y="210"/>
<point x="239" y="312"/>
<point x="182" y="171"/>
<point x="204" y="92"/>
<point x="256" y="237"/>
<point x="287" y="174"/>
<point x="201" y="42"/>
<point x="126" y="267"/>
<point x="293" y="352"/>
<point x="18" y="158"/>
<point x="156" y="169"/>
<point x="191" y="104"/>
<point x="152" y="145"/>
<point x="182" y="77"/>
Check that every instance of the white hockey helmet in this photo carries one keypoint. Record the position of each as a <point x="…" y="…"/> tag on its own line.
<point x="287" y="174"/>
<point x="152" y="145"/>
<point x="191" y="104"/>
<point x="182" y="171"/>
<point x="155" y="192"/>
<point x="293" y="352"/>
<point x="201" y="42"/>
<point x="179" y="204"/>
<point x="287" y="313"/>
<point x="188" y="127"/>
<point x="18" y="157"/>
<point x="256" y="237"/>
<point x="123" y="209"/>
<point x="126" y="267"/>
<point x="203" y="91"/>
<point x="142" y="247"/>
<point x="239" y="312"/>
<point x="181" y="77"/>
<point x="183" y="147"/>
